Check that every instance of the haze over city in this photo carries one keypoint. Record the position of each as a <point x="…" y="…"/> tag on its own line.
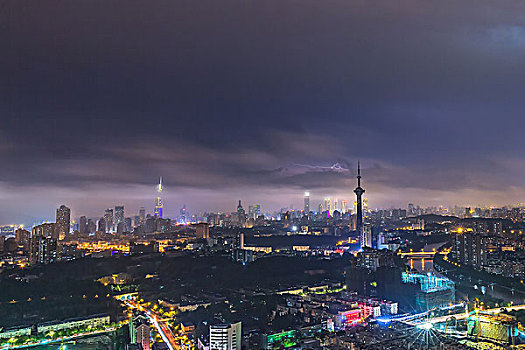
<point x="256" y="101"/>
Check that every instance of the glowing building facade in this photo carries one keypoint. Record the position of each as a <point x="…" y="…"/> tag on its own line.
<point x="306" y="203"/>
<point x="159" y="207"/>
<point x="434" y="291"/>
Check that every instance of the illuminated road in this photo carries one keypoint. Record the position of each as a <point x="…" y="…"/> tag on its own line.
<point x="162" y="327"/>
<point x="165" y="334"/>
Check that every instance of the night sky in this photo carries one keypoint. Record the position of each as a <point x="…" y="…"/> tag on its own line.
<point x="257" y="100"/>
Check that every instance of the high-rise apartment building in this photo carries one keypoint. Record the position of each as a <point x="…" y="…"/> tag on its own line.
<point x="45" y="230"/>
<point x="202" y="230"/>
<point x="226" y="336"/>
<point x="139" y="331"/>
<point x="63" y="222"/>
<point x="470" y="249"/>
<point x="43" y="246"/>
<point x="23" y="238"/>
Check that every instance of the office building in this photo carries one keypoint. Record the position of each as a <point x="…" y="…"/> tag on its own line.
<point x="226" y="336"/>
<point x="83" y="225"/>
<point x="159" y="206"/>
<point x="183" y="214"/>
<point x="127" y="225"/>
<point x="306" y="203"/>
<point x="119" y="215"/>
<point x="92" y="227"/>
<point x="108" y="219"/>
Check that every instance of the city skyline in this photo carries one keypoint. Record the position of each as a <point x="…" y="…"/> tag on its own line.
<point x="262" y="175"/>
<point x="99" y="117"/>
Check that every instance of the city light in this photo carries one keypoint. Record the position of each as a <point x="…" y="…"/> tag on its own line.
<point x="426" y="326"/>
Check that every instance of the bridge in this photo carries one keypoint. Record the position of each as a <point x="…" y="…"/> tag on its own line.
<point x="421" y="318"/>
<point x="418" y="255"/>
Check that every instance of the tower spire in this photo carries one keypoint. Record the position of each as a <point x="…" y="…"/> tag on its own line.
<point x="358" y="174"/>
<point x="159" y="187"/>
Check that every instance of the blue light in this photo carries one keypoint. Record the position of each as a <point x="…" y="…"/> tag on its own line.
<point x="384" y="320"/>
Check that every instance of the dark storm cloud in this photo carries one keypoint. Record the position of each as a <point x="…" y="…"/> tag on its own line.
<point x="225" y="98"/>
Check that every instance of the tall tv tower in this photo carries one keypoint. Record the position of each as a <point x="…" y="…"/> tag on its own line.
<point x="359" y="212"/>
<point x="158" y="203"/>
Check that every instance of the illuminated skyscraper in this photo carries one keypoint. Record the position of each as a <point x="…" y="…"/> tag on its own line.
<point x="45" y="230"/>
<point x="359" y="212"/>
<point x="119" y="215"/>
<point x="328" y="205"/>
<point x="63" y="221"/>
<point x="306" y="203"/>
<point x="108" y="219"/>
<point x="183" y="215"/>
<point x="159" y="207"/>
